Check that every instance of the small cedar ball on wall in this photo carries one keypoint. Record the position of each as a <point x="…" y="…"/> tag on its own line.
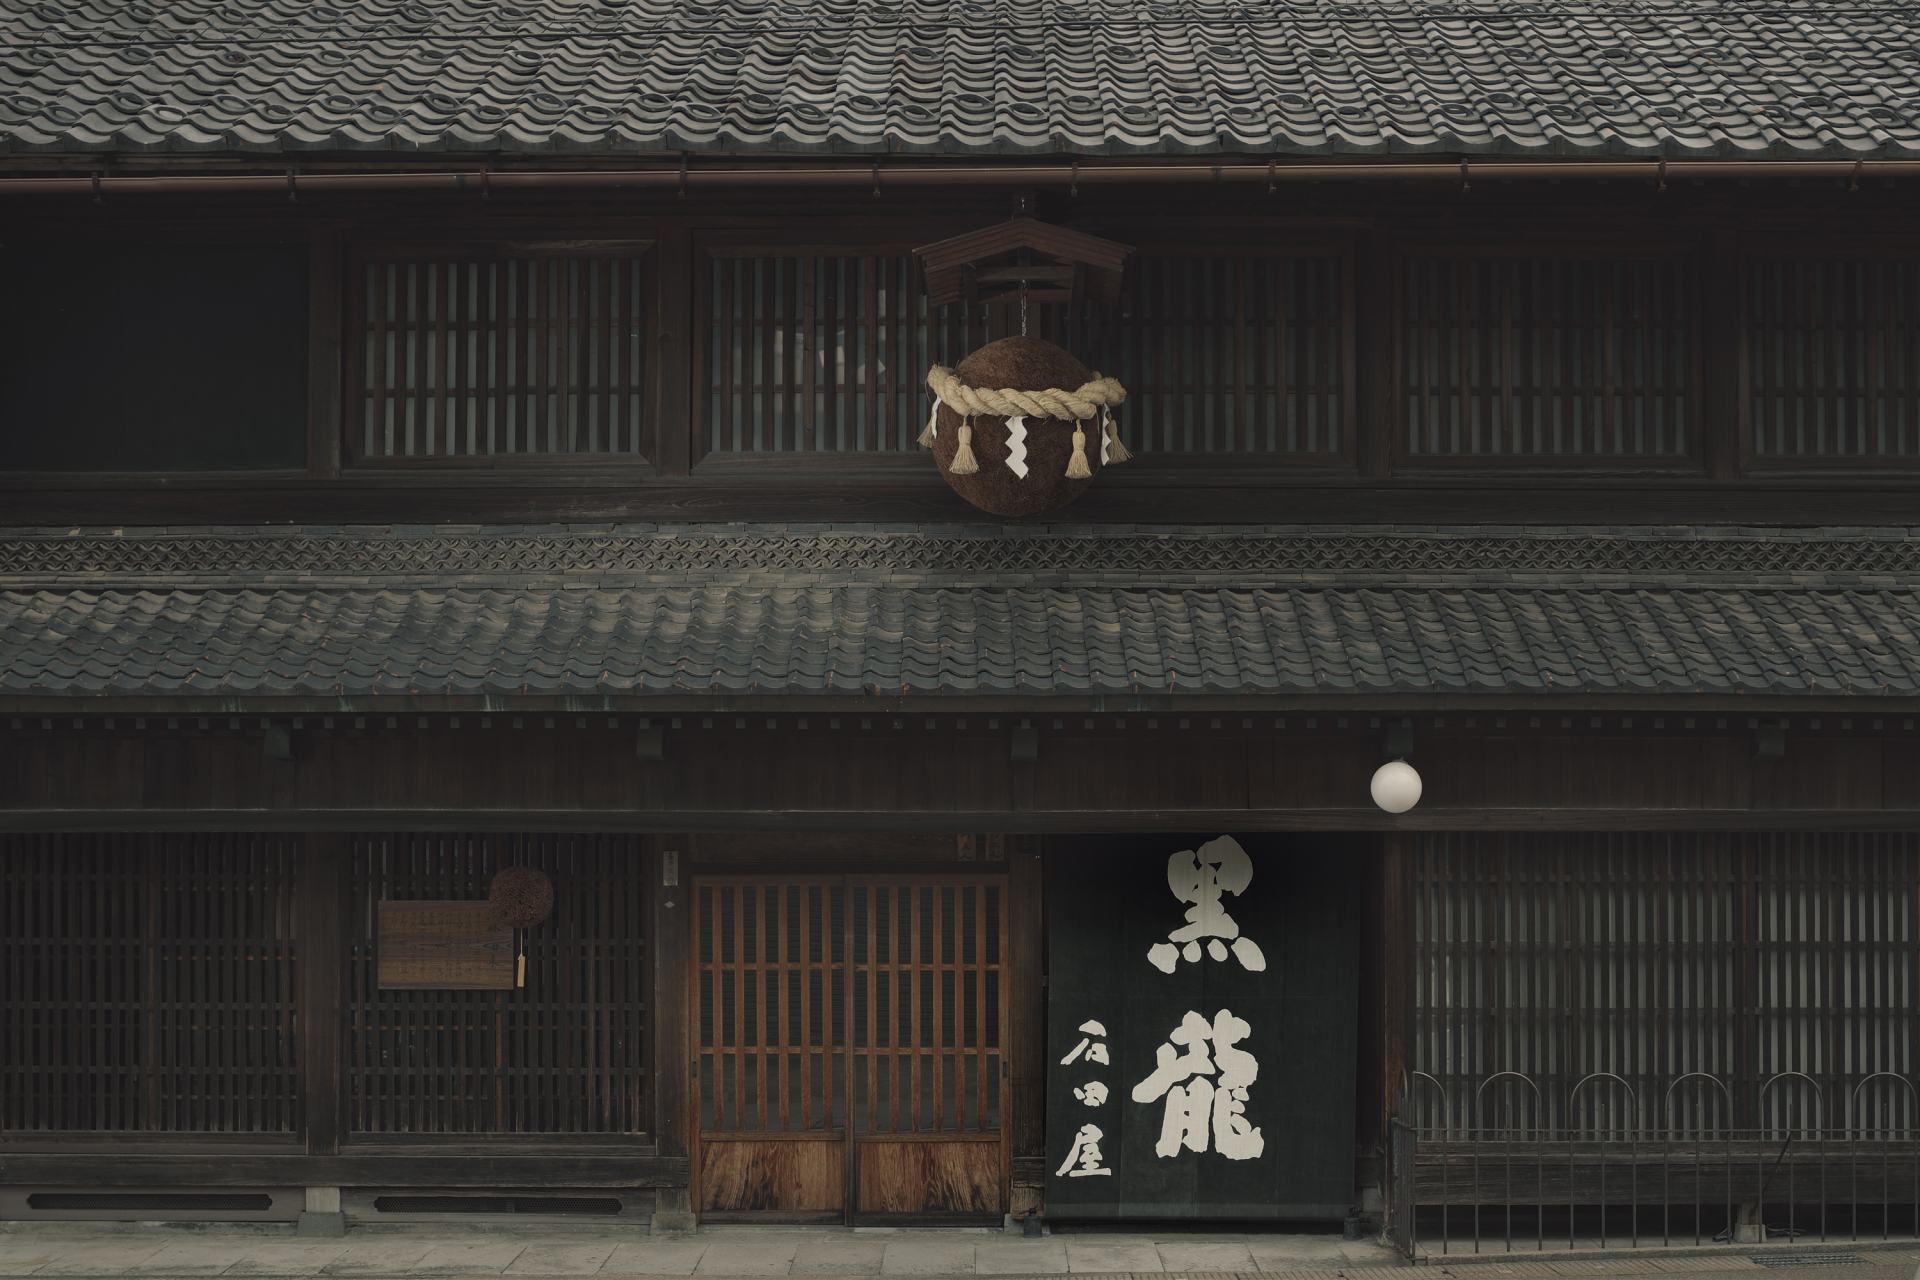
<point x="1021" y="426"/>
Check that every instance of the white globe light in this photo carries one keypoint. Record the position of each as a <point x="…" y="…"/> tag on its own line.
<point x="1396" y="786"/>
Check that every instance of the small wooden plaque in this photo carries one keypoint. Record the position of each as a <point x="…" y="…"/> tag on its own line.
<point x="442" y="946"/>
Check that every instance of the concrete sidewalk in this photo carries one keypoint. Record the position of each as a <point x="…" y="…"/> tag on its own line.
<point x="87" y="1249"/>
<point x="442" y="1252"/>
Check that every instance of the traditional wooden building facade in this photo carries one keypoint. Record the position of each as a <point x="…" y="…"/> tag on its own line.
<point x="437" y="440"/>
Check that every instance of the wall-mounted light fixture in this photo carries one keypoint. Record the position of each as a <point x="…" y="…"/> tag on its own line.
<point x="1396" y="784"/>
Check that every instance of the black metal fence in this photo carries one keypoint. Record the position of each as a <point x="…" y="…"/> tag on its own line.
<point x="1839" y="1163"/>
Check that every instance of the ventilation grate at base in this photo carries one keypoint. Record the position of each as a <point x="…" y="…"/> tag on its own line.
<point x="1808" y="1260"/>
<point x="573" y="1206"/>
<point x="155" y="1201"/>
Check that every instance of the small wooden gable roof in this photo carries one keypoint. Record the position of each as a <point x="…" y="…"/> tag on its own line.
<point x="990" y="263"/>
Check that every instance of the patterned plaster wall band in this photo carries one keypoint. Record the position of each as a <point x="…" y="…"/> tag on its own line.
<point x="797" y="555"/>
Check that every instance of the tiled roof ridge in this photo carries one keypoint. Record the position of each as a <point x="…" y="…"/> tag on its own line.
<point x="613" y="556"/>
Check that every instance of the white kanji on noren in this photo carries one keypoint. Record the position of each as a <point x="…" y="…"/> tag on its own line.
<point x="1201" y="876"/>
<point x="1204" y="1077"/>
<point x="1091" y="1094"/>
<point x="1092" y="1044"/>
<point x="1084" y="1159"/>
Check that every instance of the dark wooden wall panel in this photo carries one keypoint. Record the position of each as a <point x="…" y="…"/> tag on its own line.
<point x="149" y="984"/>
<point x="762" y="767"/>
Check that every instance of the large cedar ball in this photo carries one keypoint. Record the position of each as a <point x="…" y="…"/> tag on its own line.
<point x="519" y="897"/>
<point x="1027" y="364"/>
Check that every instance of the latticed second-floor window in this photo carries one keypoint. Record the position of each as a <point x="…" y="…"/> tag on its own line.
<point x="1546" y="360"/>
<point x="1833" y="361"/>
<point x="495" y="352"/>
<point x="1222" y="352"/>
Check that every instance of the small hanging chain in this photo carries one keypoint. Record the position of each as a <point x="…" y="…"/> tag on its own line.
<point x="1023" y="308"/>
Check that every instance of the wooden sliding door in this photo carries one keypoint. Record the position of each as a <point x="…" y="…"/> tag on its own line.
<point x="849" y="1040"/>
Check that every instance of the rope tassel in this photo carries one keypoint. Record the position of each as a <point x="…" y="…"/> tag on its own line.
<point x="932" y="428"/>
<point x="964" y="463"/>
<point x="1111" y="450"/>
<point x="1077" y="468"/>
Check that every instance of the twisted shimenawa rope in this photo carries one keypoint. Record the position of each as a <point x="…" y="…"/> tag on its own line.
<point x="1069" y="406"/>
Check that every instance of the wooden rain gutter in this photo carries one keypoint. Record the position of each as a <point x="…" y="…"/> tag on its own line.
<point x="881" y="176"/>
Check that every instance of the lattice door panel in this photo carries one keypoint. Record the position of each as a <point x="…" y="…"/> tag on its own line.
<point x="770" y="1009"/>
<point x="929" y="959"/>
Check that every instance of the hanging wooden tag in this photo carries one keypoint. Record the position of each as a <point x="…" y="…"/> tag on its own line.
<point x="444" y="946"/>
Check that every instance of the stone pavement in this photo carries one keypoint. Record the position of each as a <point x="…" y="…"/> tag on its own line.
<point x="88" y="1249"/>
<point x="130" y="1252"/>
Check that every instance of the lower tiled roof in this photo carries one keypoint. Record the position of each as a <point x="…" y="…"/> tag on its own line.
<point x="886" y="640"/>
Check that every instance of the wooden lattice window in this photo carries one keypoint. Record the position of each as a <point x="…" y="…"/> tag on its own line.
<point x="818" y="352"/>
<point x="499" y="352"/>
<point x="1234" y="353"/>
<point x="564" y="1054"/>
<point x="827" y="351"/>
<point x="1717" y="961"/>
<point x="148" y="983"/>
<point x="1548" y="360"/>
<point x="1833" y="361"/>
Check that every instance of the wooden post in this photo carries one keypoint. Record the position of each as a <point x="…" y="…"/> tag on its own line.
<point x="673" y="411"/>
<point x="1396" y="960"/>
<point x="1371" y="337"/>
<point x="326" y="868"/>
<point x="324" y="324"/>
<point x="672" y="903"/>
<point x="1026" y="1086"/>
<point x="1722" y="393"/>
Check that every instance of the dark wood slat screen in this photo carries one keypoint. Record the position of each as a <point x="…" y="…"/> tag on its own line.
<point x="928" y="965"/>
<point x="1552" y="360"/>
<point x="1833" y="360"/>
<point x="1234" y="353"/>
<point x="565" y="1054"/>
<point x="148" y="983"/>
<point x="494" y="355"/>
<point x="820" y="352"/>
<point x="1651" y="957"/>
<point x="1221" y="353"/>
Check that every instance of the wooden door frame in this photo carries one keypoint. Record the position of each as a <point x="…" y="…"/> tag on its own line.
<point x="849" y="1136"/>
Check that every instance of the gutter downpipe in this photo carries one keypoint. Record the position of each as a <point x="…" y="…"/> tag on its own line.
<point x="877" y="177"/>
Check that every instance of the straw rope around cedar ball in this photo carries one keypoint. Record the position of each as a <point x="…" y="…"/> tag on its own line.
<point x="519" y="897"/>
<point x="1056" y="471"/>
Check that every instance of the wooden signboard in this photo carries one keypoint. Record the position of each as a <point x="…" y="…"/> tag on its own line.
<point x="443" y="946"/>
<point x="1201" y="1026"/>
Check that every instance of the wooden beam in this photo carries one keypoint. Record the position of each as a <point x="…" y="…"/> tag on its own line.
<point x="326" y="868"/>
<point x="1065" y="821"/>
